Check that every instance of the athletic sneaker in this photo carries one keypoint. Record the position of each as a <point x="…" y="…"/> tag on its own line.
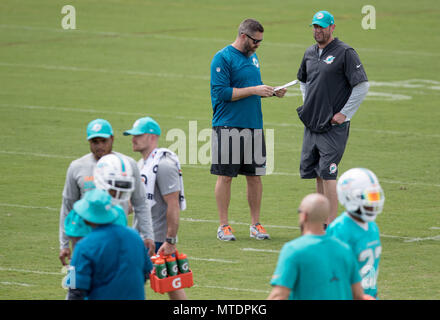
<point x="258" y="232"/>
<point x="224" y="233"/>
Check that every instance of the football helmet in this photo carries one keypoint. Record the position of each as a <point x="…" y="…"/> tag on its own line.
<point x="360" y="193"/>
<point x="115" y="174"/>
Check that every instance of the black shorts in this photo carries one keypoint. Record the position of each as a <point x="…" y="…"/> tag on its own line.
<point x="238" y="151"/>
<point x="322" y="152"/>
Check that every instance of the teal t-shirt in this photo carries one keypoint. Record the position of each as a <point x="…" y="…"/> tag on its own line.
<point x="316" y="267"/>
<point x="364" y="240"/>
<point x="230" y="68"/>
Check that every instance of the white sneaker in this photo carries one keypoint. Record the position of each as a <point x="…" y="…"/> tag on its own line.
<point x="258" y="232"/>
<point x="224" y="233"/>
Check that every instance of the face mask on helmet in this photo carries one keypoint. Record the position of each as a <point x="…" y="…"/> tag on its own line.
<point x="370" y="204"/>
<point x="120" y="188"/>
<point x="114" y="174"/>
<point x="360" y="193"/>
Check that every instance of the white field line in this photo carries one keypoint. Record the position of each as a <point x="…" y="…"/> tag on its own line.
<point x="7" y="283"/>
<point x="408" y="84"/>
<point x="61" y="274"/>
<point x="232" y="289"/>
<point x="406" y="239"/>
<point x="33" y="154"/>
<point x="27" y="207"/>
<point x="81" y="69"/>
<point x="198" y="39"/>
<point x="31" y="271"/>
<point x="136" y="114"/>
<point x="95" y="111"/>
<point x="204" y="167"/>
<point x="260" y="250"/>
<point x="212" y="260"/>
<point x="234" y="223"/>
<point x="371" y="95"/>
<point x="423" y="239"/>
<point x="385" y="96"/>
<point x="293" y="174"/>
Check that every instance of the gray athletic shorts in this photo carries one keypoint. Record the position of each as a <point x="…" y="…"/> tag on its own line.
<point x="322" y="152"/>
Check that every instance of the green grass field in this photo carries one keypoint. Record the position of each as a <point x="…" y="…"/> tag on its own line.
<point x="130" y="58"/>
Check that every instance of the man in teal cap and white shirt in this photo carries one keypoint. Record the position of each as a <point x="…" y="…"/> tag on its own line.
<point x="333" y="83"/>
<point x="111" y="262"/>
<point x="79" y="180"/>
<point x="162" y="178"/>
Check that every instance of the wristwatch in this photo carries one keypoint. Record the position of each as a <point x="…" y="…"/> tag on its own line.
<point x="171" y="240"/>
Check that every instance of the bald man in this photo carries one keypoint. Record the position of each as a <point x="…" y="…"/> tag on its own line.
<point x="315" y="266"/>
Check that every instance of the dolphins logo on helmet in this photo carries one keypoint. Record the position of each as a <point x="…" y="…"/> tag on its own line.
<point x="114" y="174"/>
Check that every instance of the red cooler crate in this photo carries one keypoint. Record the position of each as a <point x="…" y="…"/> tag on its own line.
<point x="171" y="283"/>
<point x="180" y="281"/>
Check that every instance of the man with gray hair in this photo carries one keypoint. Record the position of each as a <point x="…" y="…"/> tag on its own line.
<point x="236" y="92"/>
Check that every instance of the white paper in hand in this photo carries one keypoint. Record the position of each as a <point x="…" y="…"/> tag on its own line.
<point x="289" y="84"/>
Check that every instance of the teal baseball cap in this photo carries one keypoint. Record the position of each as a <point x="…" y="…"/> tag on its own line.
<point x="74" y="226"/>
<point x="144" y="125"/>
<point x="99" y="128"/>
<point x="96" y="207"/>
<point x="323" y="19"/>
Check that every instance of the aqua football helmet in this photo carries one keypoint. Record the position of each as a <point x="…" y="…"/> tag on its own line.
<point x="360" y="193"/>
<point x="115" y="174"/>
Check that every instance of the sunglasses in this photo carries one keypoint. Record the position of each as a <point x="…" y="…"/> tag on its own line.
<point x="254" y="40"/>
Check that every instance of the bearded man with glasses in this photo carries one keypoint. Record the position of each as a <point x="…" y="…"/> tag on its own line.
<point x="236" y="92"/>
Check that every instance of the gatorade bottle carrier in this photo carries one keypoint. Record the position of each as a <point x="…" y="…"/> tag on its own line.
<point x="171" y="283"/>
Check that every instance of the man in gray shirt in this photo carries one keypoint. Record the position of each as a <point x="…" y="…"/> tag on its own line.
<point x="79" y="180"/>
<point x="333" y="83"/>
<point x="163" y="183"/>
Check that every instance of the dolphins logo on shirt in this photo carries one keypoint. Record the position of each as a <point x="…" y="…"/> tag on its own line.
<point x="255" y="62"/>
<point x="329" y="59"/>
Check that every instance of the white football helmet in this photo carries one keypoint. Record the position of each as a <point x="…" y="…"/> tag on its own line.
<point x="115" y="174"/>
<point x="360" y="193"/>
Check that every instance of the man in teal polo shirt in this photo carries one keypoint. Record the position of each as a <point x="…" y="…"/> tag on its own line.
<point x="236" y="92"/>
<point x="111" y="262"/>
<point x="315" y="266"/>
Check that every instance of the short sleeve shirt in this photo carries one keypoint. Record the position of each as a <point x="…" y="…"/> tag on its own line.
<point x="316" y="268"/>
<point x="167" y="181"/>
<point x="365" y="244"/>
<point x="230" y="68"/>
